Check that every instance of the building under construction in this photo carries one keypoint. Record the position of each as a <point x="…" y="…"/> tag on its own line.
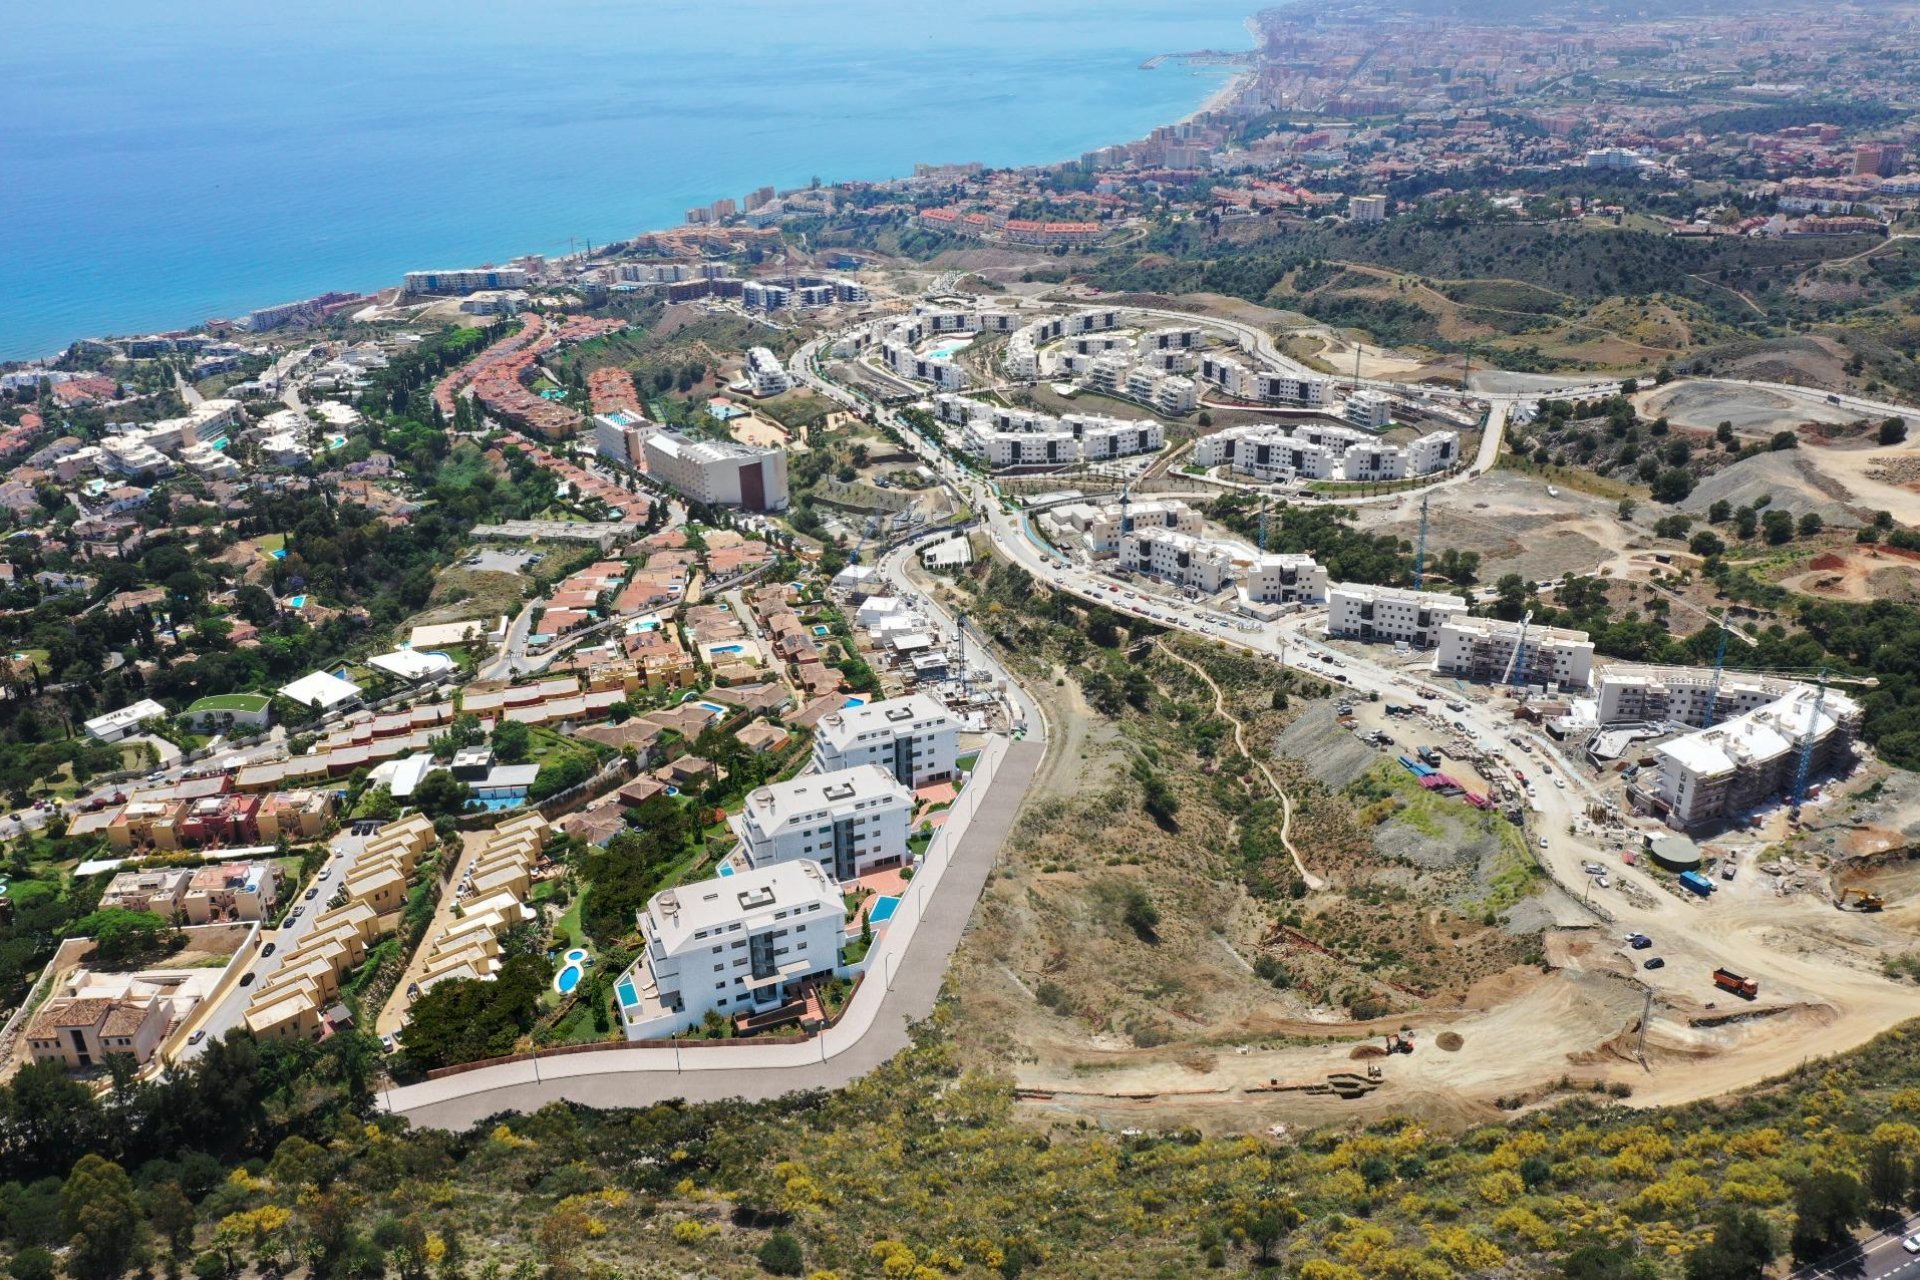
<point x="1492" y="650"/>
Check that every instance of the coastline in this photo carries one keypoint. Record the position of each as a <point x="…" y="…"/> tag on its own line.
<point x="1222" y="94"/>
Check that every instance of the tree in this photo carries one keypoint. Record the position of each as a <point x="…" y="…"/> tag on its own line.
<point x="99" y="1213"/>
<point x="1140" y="915"/>
<point x="1777" y="525"/>
<point x="34" y="1263"/>
<point x="121" y="935"/>
<point x="1741" y="1248"/>
<point x="1888" y="1174"/>
<point x="1626" y="508"/>
<point x="1707" y="543"/>
<point x="1510" y="597"/>
<point x="512" y="741"/>
<point x="1724" y="432"/>
<point x="1826" y="1208"/>
<point x="1783" y="440"/>
<point x="1811" y="523"/>
<point x="441" y="793"/>
<point x="1672" y="485"/>
<point x="1893" y="431"/>
<point x="1745" y="522"/>
<point x="1269" y="1225"/>
<point x="1719" y="512"/>
<point x="172" y="1217"/>
<point x="780" y="1255"/>
<point x="463" y="1020"/>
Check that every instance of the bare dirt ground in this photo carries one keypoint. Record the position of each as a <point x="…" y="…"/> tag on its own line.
<point x="1860" y="574"/>
<point x="1515" y="525"/>
<point x="1753" y="411"/>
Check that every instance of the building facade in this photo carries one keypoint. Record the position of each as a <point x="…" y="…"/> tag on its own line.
<point x="847" y="822"/>
<point x="913" y="738"/>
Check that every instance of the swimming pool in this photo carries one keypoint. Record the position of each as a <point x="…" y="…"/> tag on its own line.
<point x="726" y="869"/>
<point x="714" y="707"/>
<point x="568" y="978"/>
<point x="296" y="602"/>
<point x="945" y="350"/>
<point x="628" y="996"/>
<point x="577" y="956"/>
<point x="281" y="554"/>
<point x="822" y="629"/>
<point x="728" y="648"/>
<point x="639" y="625"/>
<point x="854" y="702"/>
<point x="882" y="909"/>
<point x="496" y="804"/>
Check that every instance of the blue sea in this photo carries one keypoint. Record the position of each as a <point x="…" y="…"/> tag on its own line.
<point x="160" y="164"/>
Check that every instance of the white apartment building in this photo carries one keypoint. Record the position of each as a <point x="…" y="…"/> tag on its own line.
<point x="903" y="361"/>
<point x="1008" y="437"/>
<point x="1367" y="208"/>
<point x="1177" y="338"/>
<point x="1181" y="558"/>
<point x="1245" y="383"/>
<point x="1096" y="529"/>
<point x="739" y="944"/>
<point x="1371" y="409"/>
<point x="913" y="738"/>
<point x="621" y="438"/>
<point x="1323" y="451"/>
<point x="765" y="373"/>
<point x="847" y="822"/>
<point x="1723" y="771"/>
<point x="1282" y="578"/>
<point x="1483" y="649"/>
<point x="1358" y="611"/>
<point x="466" y="280"/>
<point x="718" y="472"/>
<point x="1629" y="694"/>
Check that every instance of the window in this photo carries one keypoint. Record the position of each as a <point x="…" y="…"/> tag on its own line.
<point x="717" y="968"/>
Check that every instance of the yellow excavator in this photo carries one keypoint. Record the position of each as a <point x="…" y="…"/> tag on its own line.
<point x="1862" y="900"/>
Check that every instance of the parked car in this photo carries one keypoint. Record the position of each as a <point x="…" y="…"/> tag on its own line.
<point x="1655" y="963"/>
<point x="246" y="979"/>
<point x="309" y="895"/>
<point x="269" y="949"/>
<point x="1543" y="842"/>
<point x="196" y="1037"/>
<point x="1640" y="942"/>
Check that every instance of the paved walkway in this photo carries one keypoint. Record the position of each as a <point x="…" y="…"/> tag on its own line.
<point x="640" y="1077"/>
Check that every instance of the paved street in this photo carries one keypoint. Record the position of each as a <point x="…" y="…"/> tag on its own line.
<point x="231" y="1011"/>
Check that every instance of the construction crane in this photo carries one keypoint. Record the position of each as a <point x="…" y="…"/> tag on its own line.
<point x="1263" y="526"/>
<point x="1420" y="551"/>
<point x="1813" y="732"/>
<point x="1719" y="669"/>
<point x="1516" y="672"/>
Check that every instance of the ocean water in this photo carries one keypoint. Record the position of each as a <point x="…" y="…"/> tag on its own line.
<point x="160" y="164"/>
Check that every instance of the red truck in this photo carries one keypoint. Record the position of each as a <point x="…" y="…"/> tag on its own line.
<point x="1728" y="980"/>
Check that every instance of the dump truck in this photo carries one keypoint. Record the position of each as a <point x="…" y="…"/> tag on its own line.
<point x="1728" y="980"/>
<point x="1696" y="883"/>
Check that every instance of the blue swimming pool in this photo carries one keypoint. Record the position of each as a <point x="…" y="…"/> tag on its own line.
<point x="822" y="629"/>
<point x="497" y="804"/>
<point x="854" y="702"/>
<point x="628" y="996"/>
<point x="714" y="707"/>
<point x="882" y="909"/>
<point x="725" y="869"/>
<point x="567" y="979"/>
<point x="296" y="602"/>
<point x="281" y="554"/>
<point x="728" y="648"/>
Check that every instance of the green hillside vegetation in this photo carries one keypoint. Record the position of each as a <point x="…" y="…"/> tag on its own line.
<point x="922" y="1171"/>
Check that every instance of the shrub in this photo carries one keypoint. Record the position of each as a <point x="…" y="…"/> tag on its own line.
<point x="780" y="1255"/>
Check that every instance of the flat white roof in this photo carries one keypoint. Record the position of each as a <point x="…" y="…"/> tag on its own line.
<point x="411" y="664"/>
<point x="745" y="898"/>
<point x="771" y="807"/>
<point x="125" y="717"/>
<point x="896" y="715"/>
<point x="322" y="689"/>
